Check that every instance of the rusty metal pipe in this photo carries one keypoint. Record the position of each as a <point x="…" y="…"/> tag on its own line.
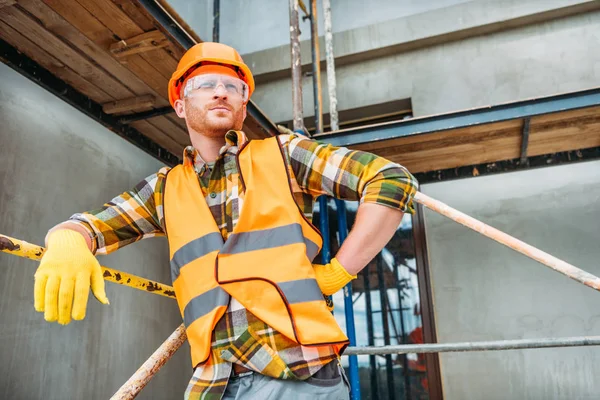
<point x="22" y="248"/>
<point x="556" y="264"/>
<point x="298" y="114"/>
<point x="331" y="81"/>
<point x="316" y="66"/>
<point x="151" y="366"/>
<point x="476" y="346"/>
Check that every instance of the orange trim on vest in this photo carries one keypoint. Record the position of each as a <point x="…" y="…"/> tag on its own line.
<point x="265" y="264"/>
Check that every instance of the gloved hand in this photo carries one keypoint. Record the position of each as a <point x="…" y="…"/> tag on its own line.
<point x="63" y="279"/>
<point x="332" y="277"/>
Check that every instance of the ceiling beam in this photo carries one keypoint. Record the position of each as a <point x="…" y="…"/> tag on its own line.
<point x="462" y="119"/>
<point x="41" y="76"/>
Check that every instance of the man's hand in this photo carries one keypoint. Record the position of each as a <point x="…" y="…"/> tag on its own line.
<point x="332" y="277"/>
<point x="63" y="279"/>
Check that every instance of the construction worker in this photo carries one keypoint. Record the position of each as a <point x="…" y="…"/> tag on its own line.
<point x="237" y="217"/>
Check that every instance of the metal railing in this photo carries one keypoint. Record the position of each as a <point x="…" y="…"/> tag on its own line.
<point x="145" y="373"/>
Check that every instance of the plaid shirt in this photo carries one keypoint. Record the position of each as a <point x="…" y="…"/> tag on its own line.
<point x="314" y="169"/>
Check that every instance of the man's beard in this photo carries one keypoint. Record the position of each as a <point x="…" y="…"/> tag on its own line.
<point x="197" y="120"/>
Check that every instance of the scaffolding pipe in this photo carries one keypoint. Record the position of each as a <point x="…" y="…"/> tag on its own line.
<point x="370" y="335"/>
<point x="150" y="367"/>
<point x="22" y="248"/>
<point x="216" y="20"/>
<point x="389" y="366"/>
<point x="556" y="264"/>
<point x="316" y="66"/>
<point x="348" y="305"/>
<point x="298" y="117"/>
<point x="476" y="346"/>
<point x="402" y="337"/>
<point x="331" y="81"/>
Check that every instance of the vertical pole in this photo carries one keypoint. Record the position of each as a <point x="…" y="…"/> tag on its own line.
<point x="403" y="334"/>
<point x="371" y="336"/>
<point x="324" y="228"/>
<point x="331" y="82"/>
<point x="296" y="67"/>
<point x="348" y="306"/>
<point x="386" y="328"/>
<point x="216" y="19"/>
<point x="316" y="66"/>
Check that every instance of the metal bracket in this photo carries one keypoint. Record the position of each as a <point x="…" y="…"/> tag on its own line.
<point x="525" y="140"/>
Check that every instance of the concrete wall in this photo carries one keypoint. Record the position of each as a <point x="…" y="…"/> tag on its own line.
<point x="255" y="25"/>
<point x="442" y="55"/>
<point x="54" y="161"/>
<point x="484" y="291"/>
<point x="535" y="60"/>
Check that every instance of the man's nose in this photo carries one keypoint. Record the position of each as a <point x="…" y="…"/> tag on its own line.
<point x="220" y="92"/>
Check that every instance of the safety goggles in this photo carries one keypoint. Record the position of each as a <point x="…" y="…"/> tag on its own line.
<point x="208" y="84"/>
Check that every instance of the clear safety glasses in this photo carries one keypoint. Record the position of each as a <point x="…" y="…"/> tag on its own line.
<point x="208" y="84"/>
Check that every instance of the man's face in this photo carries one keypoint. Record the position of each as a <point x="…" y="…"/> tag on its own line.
<point x="212" y="104"/>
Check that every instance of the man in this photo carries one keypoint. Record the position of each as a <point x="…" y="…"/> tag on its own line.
<point x="237" y="217"/>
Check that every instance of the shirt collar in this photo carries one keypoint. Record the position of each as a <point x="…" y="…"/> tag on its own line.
<point x="233" y="141"/>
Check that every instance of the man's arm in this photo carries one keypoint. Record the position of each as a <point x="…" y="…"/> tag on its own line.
<point x="131" y="216"/>
<point x="68" y="268"/>
<point x="384" y="189"/>
<point x="373" y="228"/>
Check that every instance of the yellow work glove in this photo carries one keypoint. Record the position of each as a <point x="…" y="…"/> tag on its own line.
<point x="332" y="277"/>
<point x="63" y="279"/>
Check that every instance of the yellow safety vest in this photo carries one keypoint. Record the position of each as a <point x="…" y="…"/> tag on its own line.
<point x="265" y="264"/>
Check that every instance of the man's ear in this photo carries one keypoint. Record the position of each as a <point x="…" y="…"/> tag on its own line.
<point x="245" y="112"/>
<point x="179" y="107"/>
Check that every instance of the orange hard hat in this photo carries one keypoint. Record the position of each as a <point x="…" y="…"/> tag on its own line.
<point x="208" y="52"/>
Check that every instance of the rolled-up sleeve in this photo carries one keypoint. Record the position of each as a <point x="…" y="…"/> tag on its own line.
<point x="349" y="174"/>
<point x="129" y="217"/>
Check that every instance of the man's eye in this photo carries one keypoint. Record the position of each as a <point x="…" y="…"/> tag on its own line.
<point x="207" y="85"/>
<point x="231" y="87"/>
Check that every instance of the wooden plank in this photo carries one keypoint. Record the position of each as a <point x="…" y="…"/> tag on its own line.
<point x="446" y="134"/>
<point x="7" y="3"/>
<point x="172" y="130"/>
<point x="138" y="13"/>
<point x="124" y="27"/>
<point x="83" y="21"/>
<point x="555" y="137"/>
<point x="446" y="142"/>
<point x="61" y="28"/>
<point x="565" y="138"/>
<point x="152" y="77"/>
<point x="162" y="61"/>
<point x="112" y="17"/>
<point x="134" y="13"/>
<point x="454" y="160"/>
<point x="81" y="18"/>
<point x="29" y="28"/>
<point x="159" y="137"/>
<point x="53" y="65"/>
<point x="566" y="115"/>
<point x="139" y="44"/>
<point x="130" y="104"/>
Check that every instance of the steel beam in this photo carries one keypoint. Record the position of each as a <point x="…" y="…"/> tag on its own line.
<point x="516" y="164"/>
<point x="186" y="41"/>
<point x="525" y="139"/>
<point x="462" y="119"/>
<point x="46" y="79"/>
<point x="476" y="346"/>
